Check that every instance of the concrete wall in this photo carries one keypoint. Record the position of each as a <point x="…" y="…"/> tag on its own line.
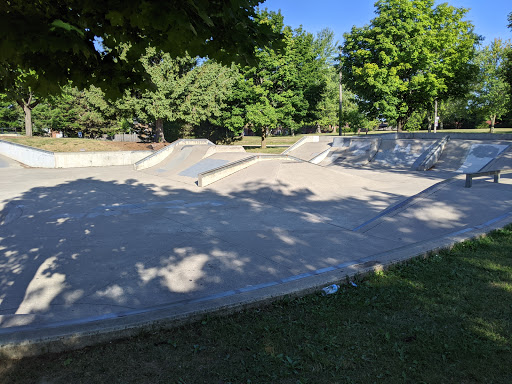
<point x="453" y="136"/>
<point x="38" y="158"/>
<point x="98" y="159"/>
<point x="32" y="157"/>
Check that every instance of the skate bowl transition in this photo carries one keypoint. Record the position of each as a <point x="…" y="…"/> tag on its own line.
<point x="89" y="253"/>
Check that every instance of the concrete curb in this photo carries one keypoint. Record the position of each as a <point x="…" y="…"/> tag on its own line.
<point x="433" y="155"/>
<point x="25" y="341"/>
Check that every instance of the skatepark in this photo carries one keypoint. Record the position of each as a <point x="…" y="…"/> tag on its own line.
<point x="89" y="253"/>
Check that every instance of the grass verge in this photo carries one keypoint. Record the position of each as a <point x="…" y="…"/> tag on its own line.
<point x="446" y="318"/>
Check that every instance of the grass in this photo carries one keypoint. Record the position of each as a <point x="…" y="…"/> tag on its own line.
<point x="446" y="318"/>
<point x="73" y="144"/>
<point x="268" y="150"/>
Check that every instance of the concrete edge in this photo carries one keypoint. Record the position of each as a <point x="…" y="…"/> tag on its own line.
<point x="321" y="157"/>
<point x="490" y="165"/>
<point x="433" y="155"/>
<point x="373" y="151"/>
<point x="404" y="204"/>
<point x="40" y="158"/>
<point x="161" y="154"/>
<point x="30" y="156"/>
<point x="216" y="174"/>
<point x="22" y="341"/>
<point x="304" y="140"/>
<point x="453" y="136"/>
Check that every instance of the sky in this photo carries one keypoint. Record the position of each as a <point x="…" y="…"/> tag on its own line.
<point x="488" y="16"/>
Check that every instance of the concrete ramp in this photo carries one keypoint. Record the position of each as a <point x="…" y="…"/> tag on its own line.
<point x="308" y="148"/>
<point x="467" y="156"/>
<point x="186" y="162"/>
<point x="402" y="153"/>
<point x="349" y="151"/>
<point x="503" y="161"/>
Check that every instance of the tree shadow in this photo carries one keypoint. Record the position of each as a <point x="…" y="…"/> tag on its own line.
<point x="86" y="248"/>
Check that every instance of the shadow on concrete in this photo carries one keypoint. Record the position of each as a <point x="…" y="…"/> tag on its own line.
<point x="88" y="247"/>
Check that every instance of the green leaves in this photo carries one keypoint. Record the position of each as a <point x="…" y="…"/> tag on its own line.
<point x="56" y="24"/>
<point x="492" y="94"/>
<point x="411" y="54"/>
<point x="56" y="38"/>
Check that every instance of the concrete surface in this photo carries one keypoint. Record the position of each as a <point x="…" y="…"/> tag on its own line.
<point x="29" y="156"/>
<point x="93" y="255"/>
<point x="38" y="158"/>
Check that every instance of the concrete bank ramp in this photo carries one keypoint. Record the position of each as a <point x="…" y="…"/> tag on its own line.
<point x="468" y="156"/>
<point x="349" y="151"/>
<point x="186" y="162"/>
<point x="401" y="153"/>
<point x="310" y="147"/>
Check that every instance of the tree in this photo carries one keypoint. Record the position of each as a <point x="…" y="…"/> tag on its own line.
<point x="58" y="39"/>
<point x="23" y="95"/>
<point x="507" y="64"/>
<point x="492" y="94"/>
<point x="10" y="114"/>
<point x="180" y="89"/>
<point x="75" y="110"/>
<point x="286" y="86"/>
<point x="410" y="54"/>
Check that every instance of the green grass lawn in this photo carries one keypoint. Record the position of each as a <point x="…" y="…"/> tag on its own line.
<point x="442" y="319"/>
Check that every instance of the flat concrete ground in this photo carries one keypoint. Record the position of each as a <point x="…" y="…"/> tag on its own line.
<point x="91" y="242"/>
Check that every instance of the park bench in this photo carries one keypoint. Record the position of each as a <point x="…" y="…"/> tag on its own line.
<point x="496" y="174"/>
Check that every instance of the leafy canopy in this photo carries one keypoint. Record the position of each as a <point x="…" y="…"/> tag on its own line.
<point x="57" y="38"/>
<point x="411" y="53"/>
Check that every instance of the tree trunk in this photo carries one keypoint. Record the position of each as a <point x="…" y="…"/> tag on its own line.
<point x="28" y="119"/>
<point x="159" y="131"/>
<point x="263" y="138"/>
<point x="399" y="124"/>
<point x="493" y="119"/>
<point x="27" y="106"/>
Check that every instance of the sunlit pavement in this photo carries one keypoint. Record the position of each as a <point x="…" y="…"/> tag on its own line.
<point x="102" y="250"/>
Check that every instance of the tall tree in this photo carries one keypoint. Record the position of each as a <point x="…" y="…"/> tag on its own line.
<point x="181" y="89"/>
<point x="410" y="54"/>
<point x="492" y="94"/>
<point x="507" y="65"/>
<point x="286" y="86"/>
<point x="58" y="39"/>
<point x="22" y="93"/>
<point x="75" y="111"/>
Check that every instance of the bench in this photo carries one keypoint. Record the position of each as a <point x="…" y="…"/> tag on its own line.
<point x="496" y="174"/>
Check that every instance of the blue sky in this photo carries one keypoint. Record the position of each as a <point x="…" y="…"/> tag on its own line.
<point x="488" y="16"/>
